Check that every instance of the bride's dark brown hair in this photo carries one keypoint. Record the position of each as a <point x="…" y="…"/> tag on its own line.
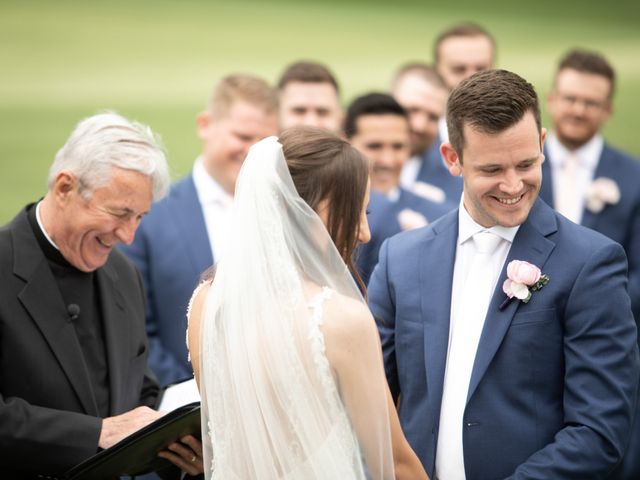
<point x="323" y="167"/>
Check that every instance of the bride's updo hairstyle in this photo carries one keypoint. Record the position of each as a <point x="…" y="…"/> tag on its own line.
<point x="323" y="166"/>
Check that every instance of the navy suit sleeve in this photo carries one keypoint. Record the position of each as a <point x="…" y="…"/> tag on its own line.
<point x="601" y="368"/>
<point x="163" y="363"/>
<point x="382" y="306"/>
<point x="633" y="257"/>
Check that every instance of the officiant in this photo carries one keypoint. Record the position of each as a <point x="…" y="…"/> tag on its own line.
<point x="73" y="348"/>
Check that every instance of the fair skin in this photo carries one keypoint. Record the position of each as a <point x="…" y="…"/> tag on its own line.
<point x="384" y="139"/>
<point x="226" y="140"/>
<point x="310" y="104"/>
<point x="461" y="57"/>
<point x="86" y="230"/>
<point x="502" y="172"/>
<point x="352" y="347"/>
<point x="425" y="104"/>
<point x="579" y="105"/>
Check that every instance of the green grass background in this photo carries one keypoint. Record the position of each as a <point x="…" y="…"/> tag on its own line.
<point x="157" y="60"/>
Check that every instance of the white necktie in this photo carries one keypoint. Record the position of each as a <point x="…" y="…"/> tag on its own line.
<point x="464" y="337"/>
<point x="569" y="202"/>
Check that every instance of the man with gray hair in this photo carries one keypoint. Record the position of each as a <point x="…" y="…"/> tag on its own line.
<point x="73" y="362"/>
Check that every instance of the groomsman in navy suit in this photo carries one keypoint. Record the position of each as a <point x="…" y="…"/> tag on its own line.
<point x="507" y="332"/>
<point x="423" y="94"/>
<point x="587" y="180"/>
<point x="379" y="128"/>
<point x="183" y="235"/>
<point x="584" y="178"/>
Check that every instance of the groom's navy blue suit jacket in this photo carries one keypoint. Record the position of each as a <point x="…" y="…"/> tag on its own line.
<point x="554" y="380"/>
<point x="171" y="250"/>
<point x="619" y="222"/>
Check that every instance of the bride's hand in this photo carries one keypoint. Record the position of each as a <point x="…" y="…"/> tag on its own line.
<point x="186" y="455"/>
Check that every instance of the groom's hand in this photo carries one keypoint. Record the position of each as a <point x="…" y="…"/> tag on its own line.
<point x="186" y="455"/>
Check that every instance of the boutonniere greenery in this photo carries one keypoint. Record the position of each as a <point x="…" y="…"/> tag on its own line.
<point x="602" y="191"/>
<point x="523" y="278"/>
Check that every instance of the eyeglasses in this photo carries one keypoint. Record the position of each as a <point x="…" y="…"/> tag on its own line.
<point x="593" y="105"/>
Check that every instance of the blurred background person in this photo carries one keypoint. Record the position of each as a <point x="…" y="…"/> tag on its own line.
<point x="184" y="233"/>
<point x="421" y="91"/>
<point x="309" y="96"/>
<point x="589" y="181"/>
<point x="584" y="178"/>
<point x="459" y="52"/>
<point x="378" y="127"/>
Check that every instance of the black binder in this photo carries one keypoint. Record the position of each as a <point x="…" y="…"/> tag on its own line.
<point x="137" y="454"/>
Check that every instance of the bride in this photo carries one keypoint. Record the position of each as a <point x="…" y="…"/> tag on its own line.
<point x="284" y="349"/>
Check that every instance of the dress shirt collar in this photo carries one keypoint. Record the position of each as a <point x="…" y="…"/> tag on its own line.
<point x="588" y="154"/>
<point x="468" y="227"/>
<point x="393" y="195"/>
<point x="209" y="191"/>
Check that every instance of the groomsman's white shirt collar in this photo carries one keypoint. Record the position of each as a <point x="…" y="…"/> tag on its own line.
<point x="588" y="156"/>
<point x="410" y="170"/>
<point x="442" y="129"/>
<point x="393" y="195"/>
<point x="216" y="206"/>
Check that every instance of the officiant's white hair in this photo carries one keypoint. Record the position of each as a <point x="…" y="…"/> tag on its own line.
<point x="105" y="141"/>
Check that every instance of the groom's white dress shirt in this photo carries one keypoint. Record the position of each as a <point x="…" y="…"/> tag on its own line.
<point x="475" y="276"/>
<point x="216" y="206"/>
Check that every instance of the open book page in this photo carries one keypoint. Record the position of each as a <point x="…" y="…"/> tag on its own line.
<point x="179" y="394"/>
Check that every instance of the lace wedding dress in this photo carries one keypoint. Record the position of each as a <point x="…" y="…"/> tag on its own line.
<point x="273" y="406"/>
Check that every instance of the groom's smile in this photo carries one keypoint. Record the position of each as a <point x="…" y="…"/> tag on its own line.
<point x="502" y="173"/>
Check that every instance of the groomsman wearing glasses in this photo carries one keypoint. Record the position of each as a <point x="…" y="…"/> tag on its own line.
<point x="589" y="181"/>
<point x="585" y="179"/>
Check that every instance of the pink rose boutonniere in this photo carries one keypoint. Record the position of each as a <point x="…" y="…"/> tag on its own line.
<point x="523" y="279"/>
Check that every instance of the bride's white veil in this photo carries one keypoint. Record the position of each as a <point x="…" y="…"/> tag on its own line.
<point x="269" y="409"/>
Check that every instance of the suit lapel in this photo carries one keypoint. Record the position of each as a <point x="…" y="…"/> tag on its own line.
<point x="187" y="212"/>
<point x="532" y="245"/>
<point x="546" y="189"/>
<point x="436" y="278"/>
<point x="115" y="324"/>
<point x="42" y="300"/>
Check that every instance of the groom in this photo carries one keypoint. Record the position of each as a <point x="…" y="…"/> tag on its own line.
<point x="540" y="385"/>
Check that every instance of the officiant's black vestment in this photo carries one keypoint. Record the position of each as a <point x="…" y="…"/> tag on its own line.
<point x="59" y="378"/>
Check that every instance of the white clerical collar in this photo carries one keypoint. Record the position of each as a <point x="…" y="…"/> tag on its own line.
<point x="588" y="154"/>
<point x="209" y="191"/>
<point x="41" y="225"/>
<point x="468" y="227"/>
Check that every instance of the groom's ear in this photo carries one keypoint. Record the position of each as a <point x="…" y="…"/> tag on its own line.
<point x="451" y="159"/>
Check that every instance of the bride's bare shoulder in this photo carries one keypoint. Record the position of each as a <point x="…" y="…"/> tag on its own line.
<point x="348" y="325"/>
